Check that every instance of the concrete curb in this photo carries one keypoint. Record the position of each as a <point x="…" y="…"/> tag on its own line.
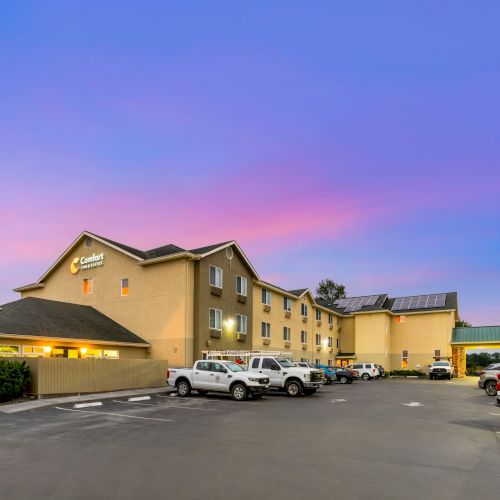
<point x="42" y="403"/>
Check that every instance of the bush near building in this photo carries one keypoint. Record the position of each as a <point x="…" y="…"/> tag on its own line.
<point x="14" y="379"/>
<point x="408" y="373"/>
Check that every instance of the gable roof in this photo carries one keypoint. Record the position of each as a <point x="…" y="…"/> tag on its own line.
<point x="33" y="317"/>
<point x="144" y="257"/>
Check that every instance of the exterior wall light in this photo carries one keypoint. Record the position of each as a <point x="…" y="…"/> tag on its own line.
<point x="83" y="350"/>
<point x="47" y="349"/>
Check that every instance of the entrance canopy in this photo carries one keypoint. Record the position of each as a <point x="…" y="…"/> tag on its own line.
<point x="474" y="337"/>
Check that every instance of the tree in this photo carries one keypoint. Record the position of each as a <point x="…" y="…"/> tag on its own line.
<point x="327" y="289"/>
<point x="461" y="323"/>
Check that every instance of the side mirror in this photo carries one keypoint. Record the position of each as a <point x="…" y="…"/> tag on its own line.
<point x="224" y="370"/>
<point x="276" y="368"/>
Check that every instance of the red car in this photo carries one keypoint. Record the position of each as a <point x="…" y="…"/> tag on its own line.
<point x="498" y="389"/>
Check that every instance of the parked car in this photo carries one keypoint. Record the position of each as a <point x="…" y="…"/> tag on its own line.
<point x="441" y="369"/>
<point x="381" y="370"/>
<point x="328" y="373"/>
<point x="488" y="379"/>
<point x="285" y="375"/>
<point x="218" y="376"/>
<point x="498" y="389"/>
<point x="366" y="371"/>
<point x="344" y="375"/>
<point x="305" y="364"/>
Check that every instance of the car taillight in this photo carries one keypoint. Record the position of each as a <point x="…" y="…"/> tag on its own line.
<point x="481" y="373"/>
<point x="498" y="377"/>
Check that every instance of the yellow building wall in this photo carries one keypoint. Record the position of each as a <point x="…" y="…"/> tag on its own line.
<point x="420" y="334"/>
<point x="346" y="336"/>
<point x="372" y="338"/>
<point x="158" y="308"/>
<point x="278" y="320"/>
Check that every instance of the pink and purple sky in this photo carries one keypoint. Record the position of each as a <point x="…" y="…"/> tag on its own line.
<point x="353" y="140"/>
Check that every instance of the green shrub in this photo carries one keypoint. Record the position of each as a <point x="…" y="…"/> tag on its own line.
<point x="408" y="373"/>
<point x="14" y="379"/>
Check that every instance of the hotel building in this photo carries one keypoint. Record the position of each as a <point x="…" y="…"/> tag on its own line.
<point x="102" y="298"/>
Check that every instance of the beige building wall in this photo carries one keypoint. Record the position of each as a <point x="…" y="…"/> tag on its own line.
<point x="278" y="319"/>
<point x="158" y="308"/>
<point x="372" y="331"/>
<point x="346" y="337"/>
<point x="420" y="334"/>
<point x="226" y="300"/>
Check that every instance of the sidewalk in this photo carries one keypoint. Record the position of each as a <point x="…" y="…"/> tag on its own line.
<point x="40" y="403"/>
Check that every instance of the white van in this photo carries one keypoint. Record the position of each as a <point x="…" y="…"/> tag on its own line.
<point x="366" y="371"/>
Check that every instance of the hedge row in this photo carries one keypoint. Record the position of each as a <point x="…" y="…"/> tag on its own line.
<point x="14" y="379"/>
<point x="408" y="373"/>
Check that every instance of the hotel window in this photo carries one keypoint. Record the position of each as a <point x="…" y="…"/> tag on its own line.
<point x="338" y="343"/>
<point x="124" y="287"/>
<point x="317" y="361"/>
<point x="241" y="323"/>
<point x="318" y="315"/>
<point x="266" y="297"/>
<point x="34" y="351"/>
<point x="111" y="354"/>
<point x="216" y="276"/>
<point x="318" y="339"/>
<point x="303" y="337"/>
<point x="330" y="341"/>
<point x="286" y="333"/>
<point x="92" y="353"/>
<point x="88" y="286"/>
<point x="400" y="319"/>
<point x="215" y="319"/>
<point x="241" y="285"/>
<point x="330" y="319"/>
<point x="303" y="310"/>
<point x="330" y="362"/>
<point x="287" y="304"/>
<point x="10" y="350"/>
<point x="266" y="330"/>
<point x="404" y="360"/>
<point x="437" y="354"/>
<point x="303" y="360"/>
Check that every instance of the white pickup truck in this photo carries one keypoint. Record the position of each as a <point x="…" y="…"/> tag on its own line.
<point x="285" y="375"/>
<point x="441" y="369"/>
<point x="218" y="376"/>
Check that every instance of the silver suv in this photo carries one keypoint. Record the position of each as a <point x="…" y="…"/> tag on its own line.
<point x="488" y="379"/>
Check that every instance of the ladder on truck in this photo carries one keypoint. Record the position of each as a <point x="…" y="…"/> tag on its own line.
<point x="243" y="356"/>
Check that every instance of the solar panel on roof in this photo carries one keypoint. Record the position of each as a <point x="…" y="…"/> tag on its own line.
<point x="356" y="303"/>
<point x="419" y="302"/>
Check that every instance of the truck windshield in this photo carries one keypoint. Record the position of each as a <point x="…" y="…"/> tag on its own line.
<point x="441" y="363"/>
<point x="285" y="363"/>
<point x="234" y="367"/>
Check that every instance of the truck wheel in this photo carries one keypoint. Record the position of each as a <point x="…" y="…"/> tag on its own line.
<point x="239" y="392"/>
<point x="449" y="376"/>
<point x="490" y="388"/>
<point x="293" y="388"/>
<point x="431" y="376"/>
<point x="343" y="379"/>
<point x="183" y="388"/>
<point x="202" y="392"/>
<point x="365" y="377"/>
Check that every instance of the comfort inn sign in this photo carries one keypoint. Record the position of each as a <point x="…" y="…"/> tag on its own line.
<point x="95" y="260"/>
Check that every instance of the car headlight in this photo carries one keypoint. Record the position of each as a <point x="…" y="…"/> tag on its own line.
<point x="307" y="376"/>
<point x="252" y="379"/>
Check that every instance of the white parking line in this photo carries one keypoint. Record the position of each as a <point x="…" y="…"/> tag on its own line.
<point x="140" y="398"/>
<point x="172" y="407"/>
<point x="497" y="414"/>
<point x="87" y="405"/>
<point x="337" y="400"/>
<point x="413" y="403"/>
<point x="205" y="400"/>
<point x="114" y="414"/>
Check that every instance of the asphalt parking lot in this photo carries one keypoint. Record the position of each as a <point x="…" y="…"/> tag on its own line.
<point x="386" y="439"/>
